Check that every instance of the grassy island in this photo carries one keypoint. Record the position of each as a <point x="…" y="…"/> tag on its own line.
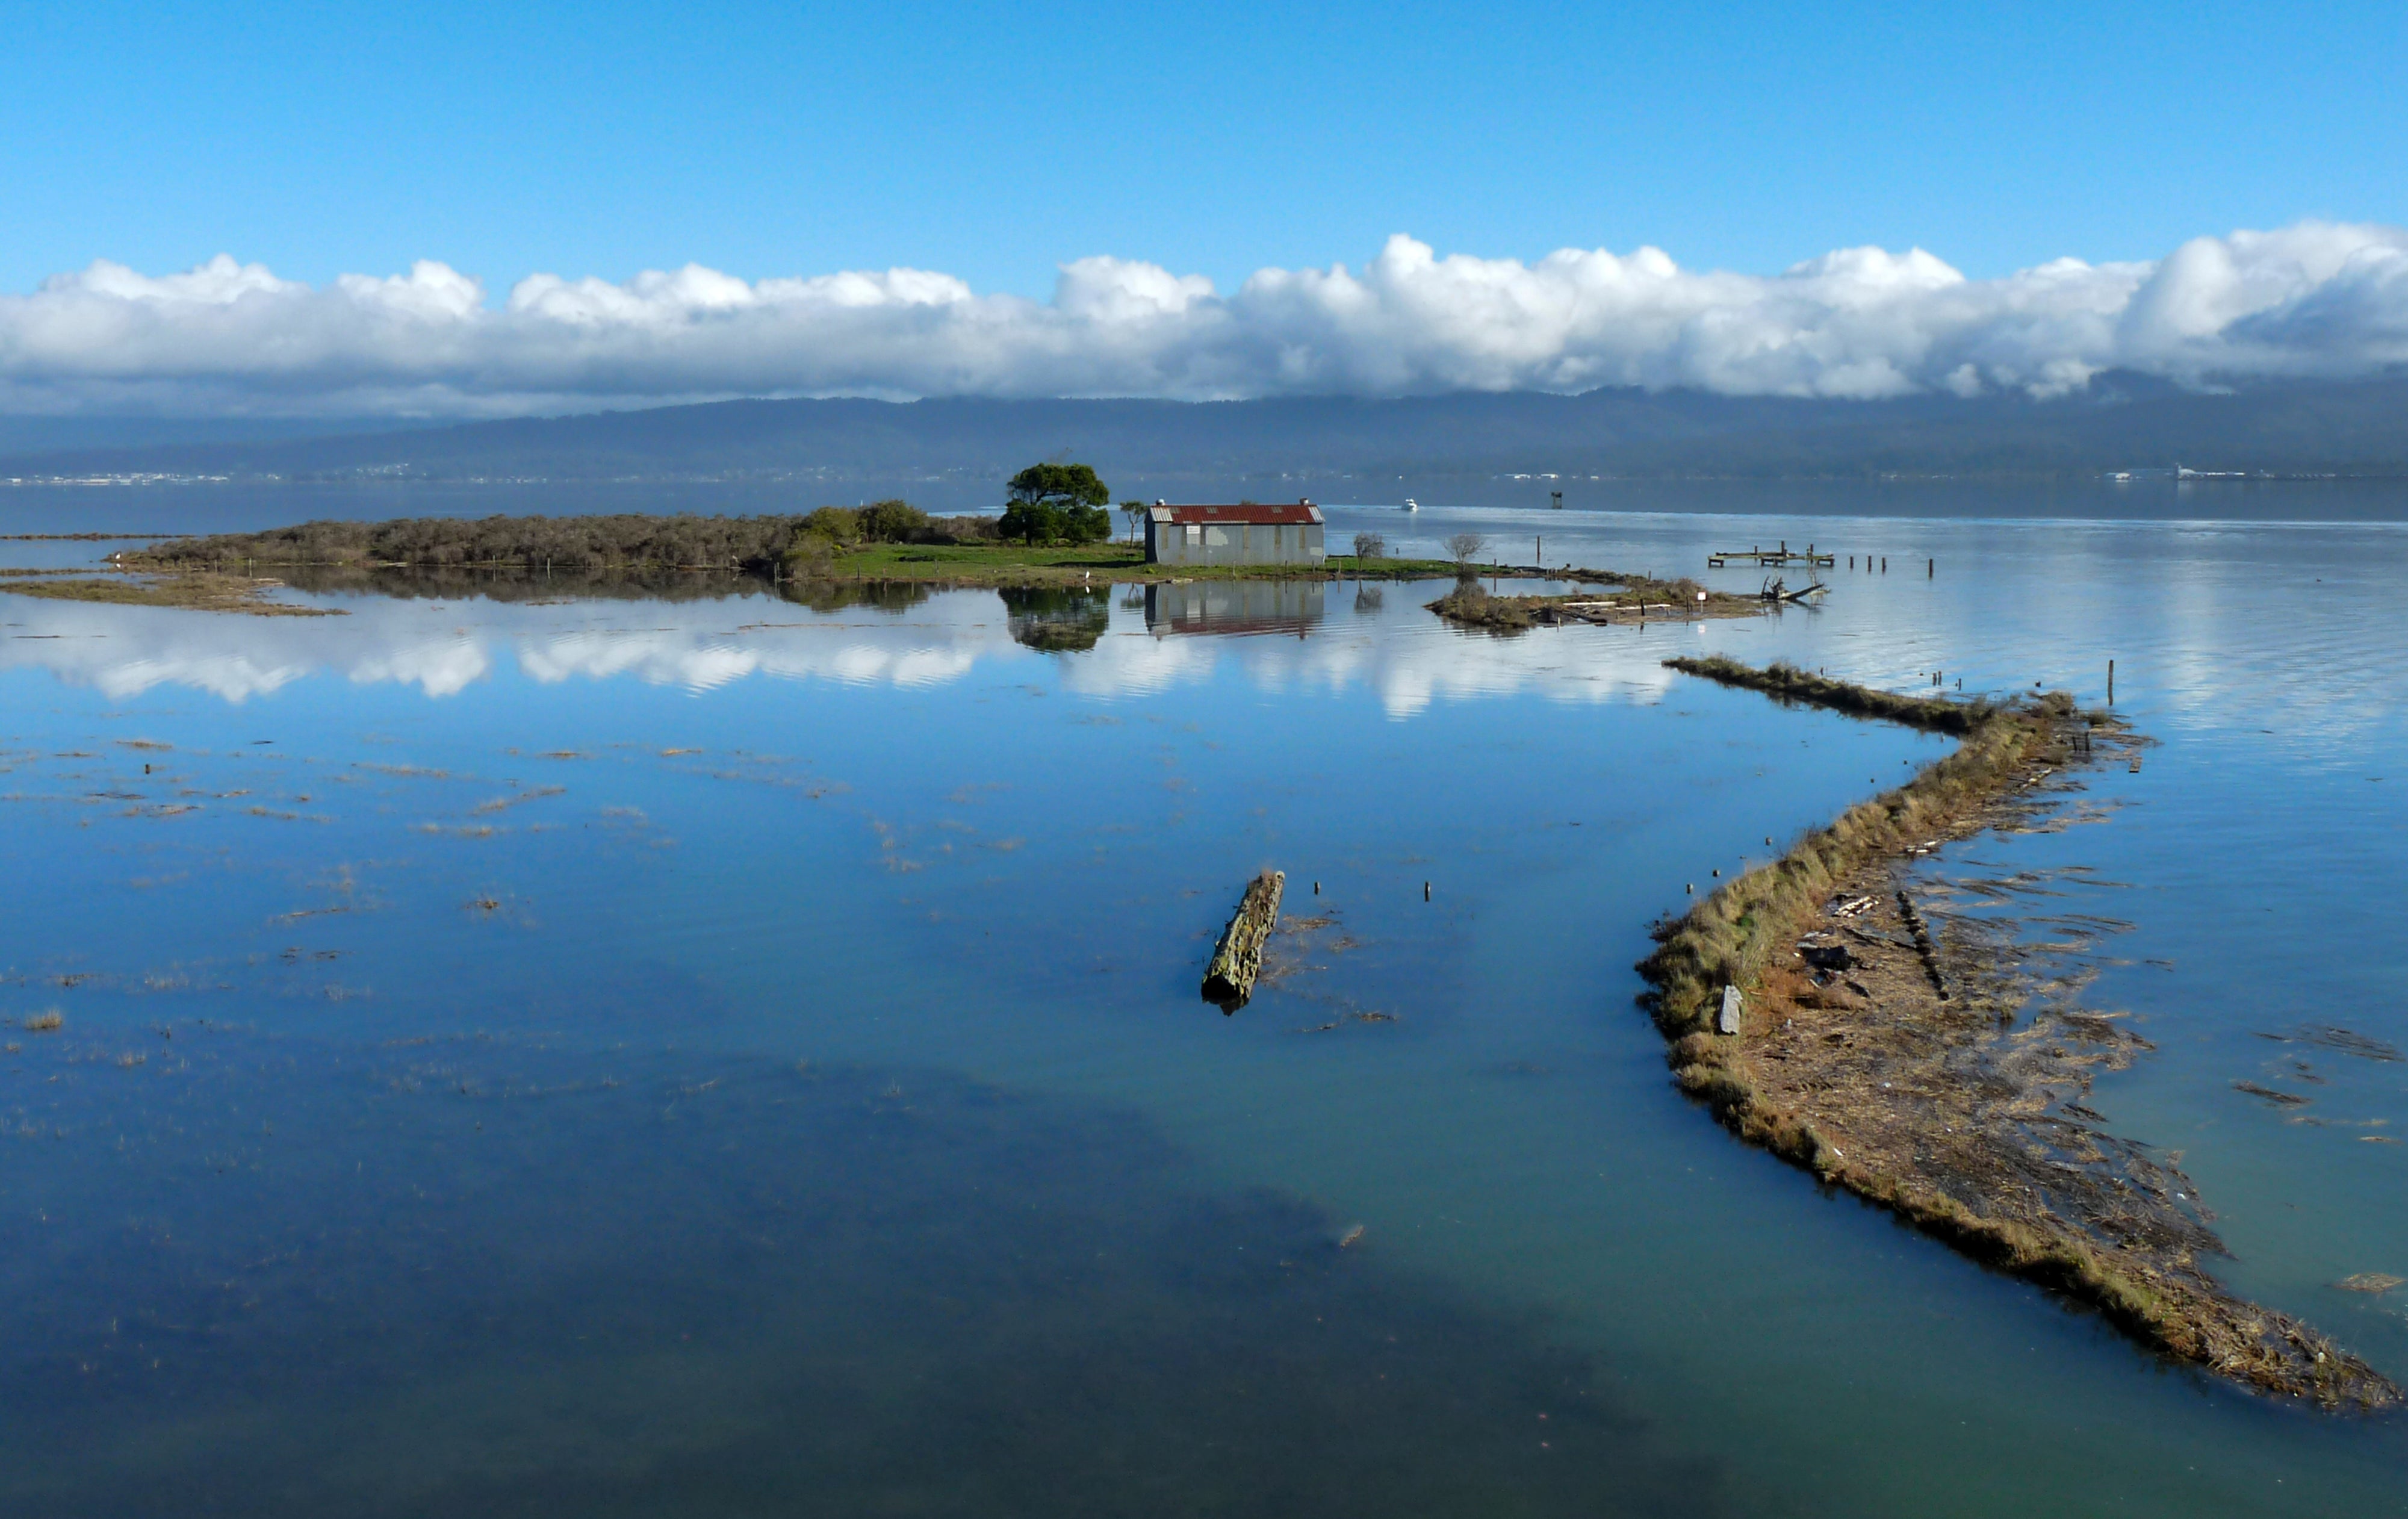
<point x="889" y="542"/>
<point x="1924" y="1075"/>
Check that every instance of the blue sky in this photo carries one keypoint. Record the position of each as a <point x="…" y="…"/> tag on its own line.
<point x="996" y="142"/>
<point x="448" y="210"/>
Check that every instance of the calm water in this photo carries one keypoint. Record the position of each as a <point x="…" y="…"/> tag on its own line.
<point x="725" y="1057"/>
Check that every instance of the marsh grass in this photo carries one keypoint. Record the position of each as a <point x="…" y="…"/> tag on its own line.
<point x="1787" y="683"/>
<point x="44" y="1022"/>
<point x="1727" y="938"/>
<point x="198" y="590"/>
<point x="1745" y="928"/>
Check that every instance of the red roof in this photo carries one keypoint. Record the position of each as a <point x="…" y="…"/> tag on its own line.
<point x="1288" y="514"/>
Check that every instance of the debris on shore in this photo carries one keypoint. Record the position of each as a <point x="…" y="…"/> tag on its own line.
<point x="1930" y="1074"/>
<point x="1237" y="958"/>
<point x="1632" y="599"/>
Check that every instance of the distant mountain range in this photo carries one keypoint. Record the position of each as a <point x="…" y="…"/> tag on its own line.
<point x="2121" y="421"/>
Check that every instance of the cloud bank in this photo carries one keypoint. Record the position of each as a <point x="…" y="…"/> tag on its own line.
<point x="2316" y="299"/>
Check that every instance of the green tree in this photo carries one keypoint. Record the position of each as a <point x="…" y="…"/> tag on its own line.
<point x="893" y="521"/>
<point x="1052" y="503"/>
<point x="838" y="524"/>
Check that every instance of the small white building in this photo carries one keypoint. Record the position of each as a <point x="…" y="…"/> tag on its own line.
<point x="1245" y="533"/>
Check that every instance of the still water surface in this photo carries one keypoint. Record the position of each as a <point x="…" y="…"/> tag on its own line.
<point x="727" y="1057"/>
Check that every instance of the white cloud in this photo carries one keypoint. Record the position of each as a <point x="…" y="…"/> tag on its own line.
<point x="2315" y="299"/>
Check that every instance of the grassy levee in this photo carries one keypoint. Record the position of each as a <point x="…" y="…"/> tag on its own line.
<point x="1787" y="683"/>
<point x="1740" y="931"/>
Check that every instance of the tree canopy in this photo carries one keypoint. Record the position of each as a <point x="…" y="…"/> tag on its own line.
<point x="1052" y="503"/>
<point x="1059" y="485"/>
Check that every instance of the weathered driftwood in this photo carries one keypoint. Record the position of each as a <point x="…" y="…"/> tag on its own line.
<point x="1238" y="959"/>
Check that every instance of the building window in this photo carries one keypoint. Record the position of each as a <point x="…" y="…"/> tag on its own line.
<point x="1216" y="537"/>
<point x="1195" y="535"/>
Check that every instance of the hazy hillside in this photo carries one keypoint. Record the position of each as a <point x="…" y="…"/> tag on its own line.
<point x="2123" y="421"/>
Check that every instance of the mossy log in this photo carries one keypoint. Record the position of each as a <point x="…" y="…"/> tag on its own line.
<point x="1238" y="959"/>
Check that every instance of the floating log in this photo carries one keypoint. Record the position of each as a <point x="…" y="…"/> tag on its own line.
<point x="1238" y="959"/>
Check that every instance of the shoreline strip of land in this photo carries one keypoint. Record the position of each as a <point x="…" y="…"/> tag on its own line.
<point x="1807" y="1004"/>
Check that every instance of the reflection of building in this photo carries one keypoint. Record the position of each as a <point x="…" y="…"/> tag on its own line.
<point x="1233" y="607"/>
<point x="1245" y="533"/>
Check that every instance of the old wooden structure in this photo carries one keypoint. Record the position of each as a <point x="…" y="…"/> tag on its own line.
<point x="1245" y="533"/>
<point x="1763" y="557"/>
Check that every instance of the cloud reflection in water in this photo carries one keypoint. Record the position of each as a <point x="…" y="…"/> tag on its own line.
<point x="1396" y="651"/>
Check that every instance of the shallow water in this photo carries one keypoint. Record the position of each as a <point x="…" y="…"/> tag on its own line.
<point x="765" y="1047"/>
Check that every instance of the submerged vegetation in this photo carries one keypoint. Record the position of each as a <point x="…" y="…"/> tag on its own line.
<point x="1895" y="1083"/>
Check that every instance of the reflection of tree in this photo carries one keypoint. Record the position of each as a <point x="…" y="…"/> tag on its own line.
<point x="1367" y="599"/>
<point x="1057" y="619"/>
<point x="513" y="584"/>
<point x="442" y="583"/>
<point x="895" y="597"/>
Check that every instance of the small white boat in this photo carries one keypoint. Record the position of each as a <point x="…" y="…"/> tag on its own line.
<point x="1412" y="505"/>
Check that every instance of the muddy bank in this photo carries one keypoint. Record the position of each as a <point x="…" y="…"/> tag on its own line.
<point x="202" y="592"/>
<point x="1935" y="1074"/>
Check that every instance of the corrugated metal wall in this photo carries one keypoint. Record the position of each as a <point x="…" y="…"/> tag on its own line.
<point x="1233" y="543"/>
